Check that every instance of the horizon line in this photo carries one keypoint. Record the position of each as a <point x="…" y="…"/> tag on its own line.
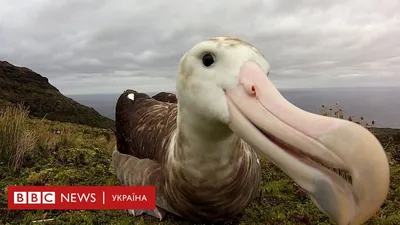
<point x="281" y="88"/>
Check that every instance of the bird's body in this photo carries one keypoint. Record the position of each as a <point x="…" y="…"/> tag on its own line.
<point x="201" y="151"/>
<point x="197" y="186"/>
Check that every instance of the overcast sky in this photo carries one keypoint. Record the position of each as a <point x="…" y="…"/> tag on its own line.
<point x="106" y="46"/>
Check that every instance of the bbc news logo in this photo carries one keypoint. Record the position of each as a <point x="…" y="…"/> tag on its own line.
<point x="34" y="197"/>
<point x="81" y="197"/>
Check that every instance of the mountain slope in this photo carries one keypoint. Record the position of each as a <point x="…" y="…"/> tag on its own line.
<point x="22" y="85"/>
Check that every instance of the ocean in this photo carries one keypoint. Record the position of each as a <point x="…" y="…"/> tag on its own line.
<point x="381" y="104"/>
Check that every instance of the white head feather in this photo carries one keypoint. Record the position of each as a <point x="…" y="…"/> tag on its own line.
<point x="200" y="88"/>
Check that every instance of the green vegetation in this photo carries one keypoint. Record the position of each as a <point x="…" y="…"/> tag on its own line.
<point x="15" y="138"/>
<point x="71" y="154"/>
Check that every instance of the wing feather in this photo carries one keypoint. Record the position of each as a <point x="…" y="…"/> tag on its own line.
<point x="144" y="126"/>
<point x="143" y="130"/>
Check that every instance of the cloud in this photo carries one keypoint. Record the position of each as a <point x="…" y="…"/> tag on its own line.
<point x="100" y="46"/>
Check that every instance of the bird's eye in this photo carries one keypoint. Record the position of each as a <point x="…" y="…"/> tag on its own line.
<point x="208" y="60"/>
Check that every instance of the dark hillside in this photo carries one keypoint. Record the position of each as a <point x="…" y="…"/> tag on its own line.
<point x="22" y="85"/>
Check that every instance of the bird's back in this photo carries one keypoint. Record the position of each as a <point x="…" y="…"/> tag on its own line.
<point x="166" y="97"/>
<point x="144" y="125"/>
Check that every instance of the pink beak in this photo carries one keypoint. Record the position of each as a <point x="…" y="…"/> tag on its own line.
<point x="298" y="141"/>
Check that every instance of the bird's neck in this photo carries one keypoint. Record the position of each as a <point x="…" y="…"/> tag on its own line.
<point x="203" y="147"/>
<point x="203" y="136"/>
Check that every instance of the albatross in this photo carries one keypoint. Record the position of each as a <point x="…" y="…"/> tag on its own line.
<point x="202" y="152"/>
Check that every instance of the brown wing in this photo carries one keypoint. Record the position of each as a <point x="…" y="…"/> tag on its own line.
<point x="132" y="171"/>
<point x="143" y="130"/>
<point x="144" y="125"/>
<point x="166" y="97"/>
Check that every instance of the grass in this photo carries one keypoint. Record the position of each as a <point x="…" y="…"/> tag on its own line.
<point x="70" y="154"/>
<point x="16" y="139"/>
<point x="337" y="112"/>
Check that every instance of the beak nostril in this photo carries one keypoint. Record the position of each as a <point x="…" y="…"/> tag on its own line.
<point x="253" y="90"/>
<point x="250" y="89"/>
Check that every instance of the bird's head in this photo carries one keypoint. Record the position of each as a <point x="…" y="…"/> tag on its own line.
<point x="225" y="80"/>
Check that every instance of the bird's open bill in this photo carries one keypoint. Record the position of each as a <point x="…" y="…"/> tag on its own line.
<point x="299" y="143"/>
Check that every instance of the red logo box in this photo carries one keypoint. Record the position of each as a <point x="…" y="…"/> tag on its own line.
<point x="81" y="197"/>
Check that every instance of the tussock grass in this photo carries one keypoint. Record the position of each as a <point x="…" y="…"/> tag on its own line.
<point x="62" y="154"/>
<point x="16" y="137"/>
<point x="337" y="112"/>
